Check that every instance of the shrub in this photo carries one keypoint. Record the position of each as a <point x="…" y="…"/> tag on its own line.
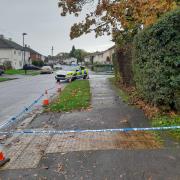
<point x="38" y="63"/>
<point x="156" y="62"/>
<point x="7" y="65"/>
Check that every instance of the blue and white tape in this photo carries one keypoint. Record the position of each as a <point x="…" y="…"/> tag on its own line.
<point x="25" y="110"/>
<point x="51" y="132"/>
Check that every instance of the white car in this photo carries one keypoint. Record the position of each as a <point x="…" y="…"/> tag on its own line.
<point x="46" y="70"/>
<point x="72" y="74"/>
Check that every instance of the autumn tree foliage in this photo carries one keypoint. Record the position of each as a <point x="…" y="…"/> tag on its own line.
<point x="115" y="16"/>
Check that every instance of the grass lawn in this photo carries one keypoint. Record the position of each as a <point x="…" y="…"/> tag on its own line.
<point x="75" y="96"/>
<point x="20" y="71"/>
<point x="4" y="79"/>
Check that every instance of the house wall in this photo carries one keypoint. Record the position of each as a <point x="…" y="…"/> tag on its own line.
<point x="70" y="60"/>
<point x="100" y="57"/>
<point x="104" y="57"/>
<point x="28" y="59"/>
<point x="87" y="59"/>
<point x="34" y="56"/>
<point x="14" y="56"/>
<point x="42" y="58"/>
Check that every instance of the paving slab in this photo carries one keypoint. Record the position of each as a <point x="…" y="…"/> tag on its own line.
<point x="71" y="142"/>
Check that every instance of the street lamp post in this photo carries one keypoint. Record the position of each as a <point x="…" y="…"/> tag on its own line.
<point x="24" y="34"/>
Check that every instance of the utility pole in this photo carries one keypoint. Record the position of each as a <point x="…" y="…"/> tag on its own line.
<point x="24" y="34"/>
<point x="52" y="54"/>
<point x="52" y="51"/>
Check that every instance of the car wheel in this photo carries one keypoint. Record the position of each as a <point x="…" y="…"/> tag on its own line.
<point x="74" y="78"/>
<point x="85" y="77"/>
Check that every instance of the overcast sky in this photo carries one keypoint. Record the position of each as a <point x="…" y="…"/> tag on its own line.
<point x="45" y="27"/>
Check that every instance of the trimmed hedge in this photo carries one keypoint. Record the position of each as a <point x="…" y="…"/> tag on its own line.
<point x="156" y="62"/>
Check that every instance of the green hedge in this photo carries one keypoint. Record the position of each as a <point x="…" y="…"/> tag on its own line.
<point x="156" y="62"/>
<point x="116" y="68"/>
<point x="102" y="67"/>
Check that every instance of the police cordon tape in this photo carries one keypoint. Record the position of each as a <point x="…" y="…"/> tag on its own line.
<point x="41" y="132"/>
<point x="25" y="110"/>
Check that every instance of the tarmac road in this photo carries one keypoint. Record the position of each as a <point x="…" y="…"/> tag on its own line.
<point x="19" y="93"/>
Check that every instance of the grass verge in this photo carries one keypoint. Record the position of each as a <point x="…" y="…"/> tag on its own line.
<point x="75" y="96"/>
<point x="157" y="117"/>
<point x="22" y="72"/>
<point x="168" y="120"/>
<point x="2" y="79"/>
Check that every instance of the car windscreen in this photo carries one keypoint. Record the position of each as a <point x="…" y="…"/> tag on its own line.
<point x="70" y="68"/>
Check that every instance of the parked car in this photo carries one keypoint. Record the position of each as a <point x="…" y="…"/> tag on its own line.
<point x="30" y="67"/>
<point x="75" y="73"/>
<point x="1" y="70"/>
<point x="46" y="70"/>
<point x="57" y="67"/>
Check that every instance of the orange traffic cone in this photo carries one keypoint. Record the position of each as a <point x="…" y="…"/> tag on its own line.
<point x="58" y="87"/>
<point x="46" y="100"/>
<point x="2" y="157"/>
<point x="3" y="160"/>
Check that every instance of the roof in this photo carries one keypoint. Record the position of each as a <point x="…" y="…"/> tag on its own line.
<point x="8" y="44"/>
<point x="97" y="53"/>
<point x="32" y="50"/>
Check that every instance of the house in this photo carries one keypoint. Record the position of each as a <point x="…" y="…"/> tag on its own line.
<point x="104" y="57"/>
<point x="34" y="56"/>
<point x="70" y="61"/>
<point x="12" y="53"/>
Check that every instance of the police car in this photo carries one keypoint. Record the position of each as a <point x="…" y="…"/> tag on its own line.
<point x="76" y="73"/>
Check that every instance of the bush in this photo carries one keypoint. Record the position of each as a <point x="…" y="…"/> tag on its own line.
<point x="102" y="67"/>
<point x="7" y="65"/>
<point x="38" y="63"/>
<point x="156" y="62"/>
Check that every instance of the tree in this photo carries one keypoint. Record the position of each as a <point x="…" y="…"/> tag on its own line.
<point x="72" y="52"/>
<point x="80" y="54"/>
<point x="62" y="55"/>
<point x="115" y="16"/>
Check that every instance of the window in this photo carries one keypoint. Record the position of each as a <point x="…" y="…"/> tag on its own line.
<point x="14" y="51"/>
